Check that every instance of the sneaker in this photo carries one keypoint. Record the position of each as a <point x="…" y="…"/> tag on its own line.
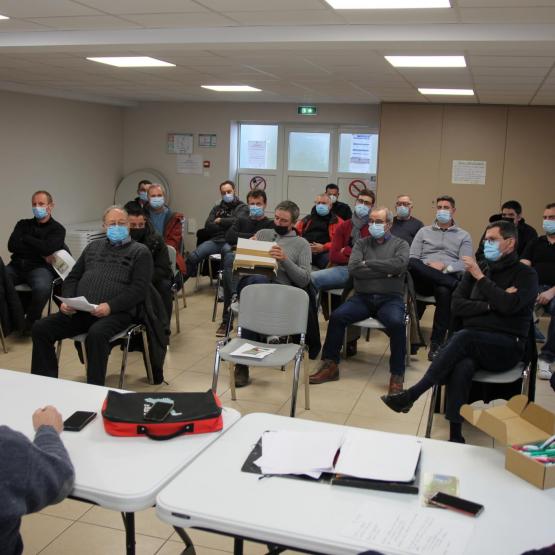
<point x="544" y="370"/>
<point x="399" y="402"/>
<point x="222" y="330"/>
<point x="433" y="350"/>
<point x="328" y="372"/>
<point x="241" y="375"/>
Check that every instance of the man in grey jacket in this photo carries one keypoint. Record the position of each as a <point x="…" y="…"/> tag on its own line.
<point x="378" y="264"/>
<point x="32" y="474"/>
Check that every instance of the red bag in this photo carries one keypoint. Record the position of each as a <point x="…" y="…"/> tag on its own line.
<point x="192" y="413"/>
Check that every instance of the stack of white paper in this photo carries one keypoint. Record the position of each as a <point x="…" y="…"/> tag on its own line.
<point x="78" y="303"/>
<point x="253" y="351"/>
<point x="251" y="253"/>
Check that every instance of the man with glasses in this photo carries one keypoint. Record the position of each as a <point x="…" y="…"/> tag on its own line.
<point x="405" y="225"/>
<point x="377" y="264"/>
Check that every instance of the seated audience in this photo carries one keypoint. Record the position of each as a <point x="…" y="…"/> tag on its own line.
<point x="318" y="229"/>
<point x="292" y="254"/>
<point x="113" y="273"/>
<point x="142" y="193"/>
<point x="378" y="265"/>
<point x="242" y="228"/>
<point x="340" y="209"/>
<point x="436" y="266"/>
<point x="32" y="243"/>
<point x="540" y="254"/>
<point x="166" y="222"/>
<point x="405" y="225"/>
<point x="221" y="218"/>
<point x="495" y="305"/>
<point x="32" y="474"/>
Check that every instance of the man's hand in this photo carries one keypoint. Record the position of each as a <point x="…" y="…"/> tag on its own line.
<point x="67" y="310"/>
<point x="48" y="416"/>
<point x="436" y="265"/>
<point x="218" y="221"/>
<point x="471" y="266"/>
<point x="278" y="253"/>
<point x="317" y="247"/>
<point x="102" y="310"/>
<point x="49" y="259"/>
<point x="511" y="289"/>
<point x="546" y="296"/>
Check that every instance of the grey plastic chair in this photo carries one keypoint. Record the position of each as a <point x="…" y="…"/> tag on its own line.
<point x="173" y="257"/>
<point x="271" y="310"/>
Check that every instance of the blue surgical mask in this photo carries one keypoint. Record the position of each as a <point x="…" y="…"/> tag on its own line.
<point x="443" y="216"/>
<point x="492" y="251"/>
<point x="117" y="233"/>
<point x="40" y="212"/>
<point x="549" y="226"/>
<point x="322" y="209"/>
<point x="256" y="211"/>
<point x="362" y="211"/>
<point x="156" y="202"/>
<point x="228" y="197"/>
<point x="143" y="195"/>
<point x="377" y="230"/>
<point x="403" y="211"/>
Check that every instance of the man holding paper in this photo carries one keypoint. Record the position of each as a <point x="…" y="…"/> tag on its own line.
<point x="112" y="273"/>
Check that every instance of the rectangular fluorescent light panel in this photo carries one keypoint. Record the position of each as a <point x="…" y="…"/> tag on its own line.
<point x="4" y="16"/>
<point x="132" y="61"/>
<point x="426" y="61"/>
<point x="459" y="92"/>
<point x="387" y="4"/>
<point x="231" y="88"/>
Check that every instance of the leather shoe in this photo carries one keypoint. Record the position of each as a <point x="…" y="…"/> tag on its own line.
<point x="399" y="402"/>
<point x="395" y="384"/>
<point x="241" y="375"/>
<point x="352" y="348"/>
<point x="328" y="372"/>
<point x="433" y="351"/>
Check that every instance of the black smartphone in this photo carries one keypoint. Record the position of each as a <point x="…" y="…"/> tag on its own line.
<point x="453" y="503"/>
<point x="159" y="411"/>
<point x="78" y="420"/>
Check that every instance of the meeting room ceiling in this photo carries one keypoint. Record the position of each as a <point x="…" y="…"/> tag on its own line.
<point x="294" y="50"/>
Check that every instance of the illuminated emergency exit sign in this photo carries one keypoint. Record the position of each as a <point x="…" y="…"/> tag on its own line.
<point x="307" y="110"/>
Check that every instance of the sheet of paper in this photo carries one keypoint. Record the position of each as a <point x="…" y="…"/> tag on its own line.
<point x="63" y="263"/>
<point x="251" y="253"/>
<point x="78" y="303"/>
<point x="189" y="163"/>
<point x="469" y="172"/>
<point x="256" y="154"/>
<point x="419" y="531"/>
<point x="253" y="351"/>
<point x="377" y="456"/>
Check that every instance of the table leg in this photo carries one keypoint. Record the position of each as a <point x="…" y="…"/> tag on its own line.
<point x="189" y="547"/>
<point x="129" y="523"/>
<point x="237" y="546"/>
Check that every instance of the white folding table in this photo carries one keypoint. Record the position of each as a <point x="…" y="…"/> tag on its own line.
<point x="119" y="473"/>
<point x="212" y="493"/>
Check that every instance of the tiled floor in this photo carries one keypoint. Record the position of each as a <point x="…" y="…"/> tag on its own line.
<point x="73" y="527"/>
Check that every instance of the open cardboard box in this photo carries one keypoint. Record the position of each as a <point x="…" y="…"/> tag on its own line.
<point x="518" y="423"/>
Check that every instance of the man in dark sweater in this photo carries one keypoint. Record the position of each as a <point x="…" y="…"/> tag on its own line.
<point x="32" y="474"/>
<point x="113" y="273"/>
<point x="32" y="243"/>
<point x="405" y="225"/>
<point x="495" y="304"/>
<point x="378" y="264"/>
<point x="340" y="209"/>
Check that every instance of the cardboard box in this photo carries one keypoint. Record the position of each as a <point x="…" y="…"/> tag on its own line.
<point x="253" y="256"/>
<point x="518" y="423"/>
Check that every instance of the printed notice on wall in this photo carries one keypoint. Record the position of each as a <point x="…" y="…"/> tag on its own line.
<point x="359" y="160"/>
<point x="180" y="143"/>
<point x="469" y="172"/>
<point x="189" y="163"/>
<point x="256" y="154"/>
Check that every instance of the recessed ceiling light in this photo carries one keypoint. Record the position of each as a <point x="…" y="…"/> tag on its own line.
<point x="426" y="61"/>
<point x="231" y="88"/>
<point x="132" y="61"/>
<point x="459" y="92"/>
<point x="4" y="16"/>
<point x="387" y="4"/>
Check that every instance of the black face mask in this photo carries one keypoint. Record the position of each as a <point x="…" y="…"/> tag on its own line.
<point x="138" y="234"/>
<point x="281" y="229"/>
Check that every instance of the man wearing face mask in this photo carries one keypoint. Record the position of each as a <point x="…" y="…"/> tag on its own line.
<point x="318" y="228"/>
<point x="32" y="243"/>
<point x="436" y="265"/>
<point x="405" y="225"/>
<point x="495" y="303"/>
<point x="378" y="264"/>
<point x="340" y="209"/>
<point x="112" y="273"/>
<point x="142" y="193"/>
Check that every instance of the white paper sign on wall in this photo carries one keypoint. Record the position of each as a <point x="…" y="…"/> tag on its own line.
<point x="469" y="172"/>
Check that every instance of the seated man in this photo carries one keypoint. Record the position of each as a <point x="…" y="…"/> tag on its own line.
<point x="405" y="225"/>
<point x="32" y="243"/>
<point x="436" y="266"/>
<point x="142" y="193"/>
<point x="340" y="209"/>
<point x="242" y="228"/>
<point x="32" y="474"/>
<point x="292" y="254"/>
<point x="540" y="254"/>
<point x="378" y="265"/>
<point x="113" y="273"/>
<point x="346" y="235"/>
<point x="167" y="223"/>
<point x="318" y="229"/>
<point x="221" y="218"/>
<point x="141" y="230"/>
<point x="495" y="305"/>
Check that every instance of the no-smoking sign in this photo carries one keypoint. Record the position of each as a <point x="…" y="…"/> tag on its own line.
<point x="257" y="182"/>
<point x="356" y="186"/>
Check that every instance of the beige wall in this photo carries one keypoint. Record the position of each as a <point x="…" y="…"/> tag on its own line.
<point x="72" y="149"/>
<point x="418" y="144"/>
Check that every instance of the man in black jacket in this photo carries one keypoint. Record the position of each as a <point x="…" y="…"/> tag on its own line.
<point x="340" y="209"/>
<point x="32" y="243"/>
<point x="495" y="305"/>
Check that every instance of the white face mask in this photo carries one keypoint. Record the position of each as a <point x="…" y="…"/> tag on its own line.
<point x="333" y="198"/>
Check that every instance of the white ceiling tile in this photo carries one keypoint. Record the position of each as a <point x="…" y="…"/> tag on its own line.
<point x="262" y="5"/>
<point x="507" y="15"/>
<point x="511" y="61"/>
<point x="168" y="20"/>
<point x="504" y="3"/>
<point x="43" y="8"/>
<point x="538" y="72"/>
<point x="19" y="25"/>
<point x="297" y="17"/>
<point x="144" y="6"/>
<point x="98" y="22"/>
<point x="409" y="17"/>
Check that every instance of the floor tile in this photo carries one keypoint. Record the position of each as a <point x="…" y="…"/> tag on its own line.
<point x="69" y="509"/>
<point x="39" y="530"/>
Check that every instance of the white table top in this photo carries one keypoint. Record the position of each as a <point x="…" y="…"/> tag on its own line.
<point x="213" y="493"/>
<point x="120" y="473"/>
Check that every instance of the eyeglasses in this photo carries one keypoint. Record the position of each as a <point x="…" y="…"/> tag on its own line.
<point x="372" y="221"/>
<point x="407" y="204"/>
<point x="368" y="203"/>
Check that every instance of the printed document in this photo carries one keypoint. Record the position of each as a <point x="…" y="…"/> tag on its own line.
<point x="252" y="351"/>
<point x="78" y="303"/>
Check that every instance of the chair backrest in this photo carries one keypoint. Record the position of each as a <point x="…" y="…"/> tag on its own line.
<point x="272" y="309"/>
<point x="173" y="258"/>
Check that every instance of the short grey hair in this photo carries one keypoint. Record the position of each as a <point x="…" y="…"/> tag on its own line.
<point x="291" y="207"/>
<point x="388" y="213"/>
<point x="157" y="185"/>
<point x="114" y="207"/>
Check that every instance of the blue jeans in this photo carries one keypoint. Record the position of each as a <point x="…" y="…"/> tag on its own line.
<point x="547" y="352"/>
<point x="204" y="250"/>
<point x="388" y="309"/>
<point x="330" y="278"/>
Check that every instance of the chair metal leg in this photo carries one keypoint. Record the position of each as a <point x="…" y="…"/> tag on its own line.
<point x="306" y="384"/>
<point x="199" y="271"/>
<point x="296" y="371"/>
<point x="526" y="381"/>
<point x="433" y="401"/>
<point x="85" y="357"/>
<point x="216" y="370"/>
<point x="184" y="296"/>
<point x="218" y="285"/>
<point x="407" y="339"/>
<point x="146" y="352"/>
<point x="58" y="351"/>
<point x="3" y="339"/>
<point x="232" y="380"/>
<point x="176" y="310"/>
<point x="124" y="360"/>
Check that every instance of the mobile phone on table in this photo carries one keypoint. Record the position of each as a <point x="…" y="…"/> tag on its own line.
<point x="453" y="503"/>
<point x="159" y="411"/>
<point x="78" y="420"/>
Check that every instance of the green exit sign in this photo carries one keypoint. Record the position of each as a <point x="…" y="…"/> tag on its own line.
<point x="307" y="110"/>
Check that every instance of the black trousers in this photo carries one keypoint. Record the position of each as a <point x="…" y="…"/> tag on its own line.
<point x="58" y="326"/>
